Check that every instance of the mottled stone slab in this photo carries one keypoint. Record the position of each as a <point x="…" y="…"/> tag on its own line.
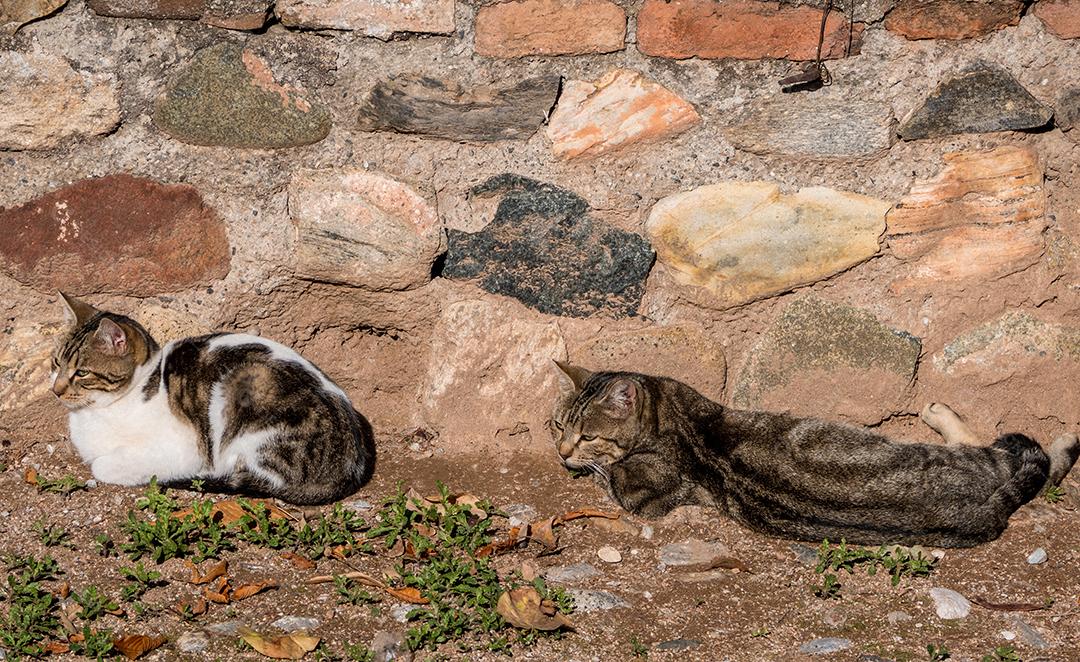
<point x="807" y="125"/>
<point x="1067" y="115"/>
<point x="363" y="229"/>
<point x="742" y="29"/>
<point x="16" y="13"/>
<point x="549" y="27"/>
<point x="981" y="99"/>
<point x="952" y="19"/>
<point x="25" y="349"/>
<point x="545" y="250"/>
<point x="620" y="109"/>
<point x="118" y="234"/>
<point x="1061" y="17"/>
<point x="1000" y="343"/>
<point x="982" y="216"/>
<point x="237" y="14"/>
<point x="227" y="96"/>
<point x="44" y="102"/>
<point x="373" y="18"/>
<point x="745" y="240"/>
<point x="827" y="360"/>
<point x="174" y="9"/>
<point x="427" y="106"/>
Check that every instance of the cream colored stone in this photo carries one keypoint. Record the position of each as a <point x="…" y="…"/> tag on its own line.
<point x="44" y="101"/>
<point x="621" y="108"/>
<point x="373" y="18"/>
<point x="745" y="240"/>
<point x="25" y="352"/>
<point x="166" y="324"/>
<point x="363" y="229"/>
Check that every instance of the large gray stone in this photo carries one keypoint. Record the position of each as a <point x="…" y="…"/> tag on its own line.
<point x="1003" y="341"/>
<point x="544" y="249"/>
<point x="808" y="125"/>
<point x="16" y="13"/>
<point x="228" y="96"/>
<point x="1067" y="115"/>
<point x="980" y="99"/>
<point x="828" y="360"/>
<point x="431" y="107"/>
<point x="374" y="18"/>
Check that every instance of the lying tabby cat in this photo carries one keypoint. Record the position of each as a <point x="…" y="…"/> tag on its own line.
<point x="657" y="444"/>
<point x="241" y="413"/>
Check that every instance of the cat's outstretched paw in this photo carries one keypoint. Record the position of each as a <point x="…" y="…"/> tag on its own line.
<point x="1063" y="454"/>
<point x="943" y="420"/>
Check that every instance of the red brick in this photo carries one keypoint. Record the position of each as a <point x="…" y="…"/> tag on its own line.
<point x="743" y="29"/>
<point x="1061" y="17"/>
<point x="550" y="27"/>
<point x="951" y="19"/>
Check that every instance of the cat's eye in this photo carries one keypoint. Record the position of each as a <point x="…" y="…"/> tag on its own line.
<point x="557" y="425"/>
<point x="586" y="437"/>
<point x="82" y="373"/>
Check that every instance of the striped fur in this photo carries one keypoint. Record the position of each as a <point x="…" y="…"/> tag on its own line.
<point x="657" y="443"/>
<point x="243" y="414"/>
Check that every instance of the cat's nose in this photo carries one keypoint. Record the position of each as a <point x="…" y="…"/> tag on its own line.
<point x="566" y="449"/>
<point x="59" y="386"/>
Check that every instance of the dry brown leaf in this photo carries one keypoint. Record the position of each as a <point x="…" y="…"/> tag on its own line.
<point x="543" y="533"/>
<point x="134" y="646"/>
<point x="291" y="646"/>
<point x="64" y="590"/>
<point x="194" y="607"/>
<point x="586" y="512"/>
<point x="470" y="500"/>
<point x="425" y="530"/>
<point x="247" y="590"/>
<point x="220" y="597"/>
<point x="513" y="537"/>
<point x="230" y="512"/>
<point x="523" y="608"/>
<point x="77" y="638"/>
<point x="297" y="561"/>
<point x="396" y="550"/>
<point x="361" y="577"/>
<point x="1008" y="606"/>
<point x="215" y="571"/>
<point x="617" y="525"/>
<point x="30" y="476"/>
<point x="408" y="594"/>
<point x="57" y="648"/>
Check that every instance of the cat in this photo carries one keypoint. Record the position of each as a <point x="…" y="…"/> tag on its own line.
<point x="656" y="443"/>
<point x="240" y="413"/>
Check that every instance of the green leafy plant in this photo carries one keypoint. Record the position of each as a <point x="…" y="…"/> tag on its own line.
<point x="30" y="617"/>
<point x="1054" y="493"/>
<point x="1002" y="654"/>
<point x="52" y="535"/>
<point x="64" y="485"/>
<point x="760" y="632"/>
<point x="156" y="532"/>
<point x="829" y="589"/>
<point x="140" y="581"/>
<point x="95" y="644"/>
<point x="938" y="653"/>
<point x="638" y="649"/>
<point x="94" y="603"/>
<point x="104" y="545"/>
<point x="359" y="653"/>
<point x="349" y="592"/>
<point x="897" y="561"/>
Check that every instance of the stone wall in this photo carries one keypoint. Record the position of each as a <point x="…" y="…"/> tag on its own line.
<point x="432" y="199"/>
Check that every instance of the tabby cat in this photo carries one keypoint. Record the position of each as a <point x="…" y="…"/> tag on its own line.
<point x="240" y="413"/>
<point x="656" y="443"/>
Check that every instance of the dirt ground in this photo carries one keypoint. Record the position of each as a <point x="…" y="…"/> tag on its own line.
<point x="766" y="613"/>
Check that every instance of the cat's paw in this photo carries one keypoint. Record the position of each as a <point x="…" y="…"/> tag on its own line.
<point x="115" y="471"/>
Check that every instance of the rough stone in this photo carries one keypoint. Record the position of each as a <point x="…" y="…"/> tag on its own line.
<point x="1067" y="114"/>
<point x="1030" y="635"/>
<point x="1036" y="557"/>
<point x="685" y="353"/>
<point x="520" y="514"/>
<point x="193" y="642"/>
<point x="998" y="344"/>
<point x="952" y="19"/>
<point x="691" y="553"/>
<point x="372" y="18"/>
<point x="225" y="628"/>
<point x="45" y="101"/>
<point x="166" y="324"/>
<point x="677" y="645"/>
<point x="426" y="106"/>
<point x="609" y="554"/>
<point x="544" y="249"/>
<point x="828" y="356"/>
<point x="294" y="623"/>
<point x="486" y="358"/>
<point x="17" y="13"/>
<point x="897" y="617"/>
<point x="237" y="14"/>
<point x="571" y="573"/>
<point x="120" y="234"/>
<point x="363" y="229"/>
<point x="804" y="554"/>
<point x="25" y="350"/>
<point x="390" y="645"/>
<point x="228" y="96"/>
<point x="825" y="646"/>
<point x="949" y="604"/>
<point x="805" y="125"/>
<point x="173" y="9"/>
<point x="1061" y="17"/>
<point x="981" y="99"/>
<point x="745" y="240"/>
<point x="743" y="29"/>
<point x="587" y="601"/>
<point x="620" y="109"/>
<point x="549" y="27"/>
<point x="981" y="217"/>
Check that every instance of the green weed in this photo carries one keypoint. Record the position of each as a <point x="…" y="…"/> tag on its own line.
<point x="94" y="603"/>
<point x="160" y="535"/>
<point x="52" y="535"/>
<point x="96" y="644"/>
<point x="895" y="560"/>
<point x="829" y="589"/>
<point x="938" y="653"/>
<point x="1054" y="493"/>
<point x="141" y="580"/>
<point x="1002" y="654"/>
<point x="64" y="485"/>
<point x="349" y="592"/>
<point x="638" y="649"/>
<point x="30" y="617"/>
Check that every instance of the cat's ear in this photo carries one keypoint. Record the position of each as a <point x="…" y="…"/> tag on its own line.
<point x="76" y="311"/>
<point x="571" y="378"/>
<point x="110" y="338"/>
<point x="620" y="398"/>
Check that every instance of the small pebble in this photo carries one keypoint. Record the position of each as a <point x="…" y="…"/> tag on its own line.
<point x="691" y="552"/>
<point x="1008" y="635"/>
<point x="193" y="642"/>
<point x="646" y="532"/>
<point x="91" y="484"/>
<point x="225" y="628"/>
<point x="359" y="505"/>
<point x="609" y="554"/>
<point x="895" y="617"/>
<point x="677" y="645"/>
<point x="520" y="514"/>
<point x="1030" y="634"/>
<point x="294" y="623"/>
<point x="400" y="613"/>
<point x="587" y="600"/>
<point x="571" y="573"/>
<point x="825" y="645"/>
<point x="390" y="645"/>
<point x="805" y="554"/>
<point x="949" y="604"/>
<point x="1037" y="557"/>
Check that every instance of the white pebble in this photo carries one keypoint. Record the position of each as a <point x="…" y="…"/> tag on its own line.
<point x="609" y="554"/>
<point x="1037" y="557"/>
<point x="949" y="604"/>
<point x="1008" y="635"/>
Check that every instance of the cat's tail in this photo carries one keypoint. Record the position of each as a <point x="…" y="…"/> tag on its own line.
<point x="239" y="485"/>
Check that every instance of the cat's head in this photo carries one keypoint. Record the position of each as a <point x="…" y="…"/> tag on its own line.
<point x="96" y="358"/>
<point x="597" y="416"/>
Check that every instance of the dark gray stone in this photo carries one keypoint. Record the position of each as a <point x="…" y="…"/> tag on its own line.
<point x="825" y="645"/>
<point x="1030" y="634"/>
<point x="544" y="249"/>
<point x="1067" y="115"/>
<point x="983" y="98"/>
<point x="431" y="107"/>
<point x="227" y="96"/>
<point x="677" y="645"/>
<point x="805" y="554"/>
<point x="587" y="601"/>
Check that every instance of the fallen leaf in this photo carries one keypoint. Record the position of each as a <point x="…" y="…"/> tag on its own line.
<point x="220" y="597"/>
<point x="298" y="562"/>
<point x="472" y="501"/>
<point x="291" y="646"/>
<point x="1008" y="606"/>
<point x="64" y="590"/>
<point x="57" y="648"/>
<point x="617" y="525"/>
<point x="408" y="594"/>
<point x="543" y="533"/>
<point x="230" y="512"/>
<point x="512" y="539"/>
<point x="77" y="638"/>
<point x="215" y="571"/>
<point x="523" y="608"/>
<point x="361" y="577"/>
<point x="134" y="646"/>
<point x="30" y="476"/>
<point x="587" y="512"/>
<point x="247" y="590"/>
<point x="195" y="607"/>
